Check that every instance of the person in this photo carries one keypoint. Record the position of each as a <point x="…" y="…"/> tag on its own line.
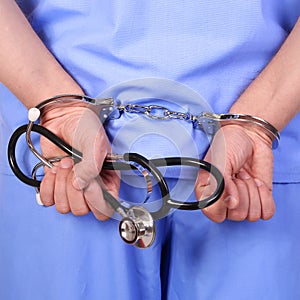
<point x="242" y="58"/>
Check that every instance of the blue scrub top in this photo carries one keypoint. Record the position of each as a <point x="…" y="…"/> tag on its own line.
<point x="215" y="48"/>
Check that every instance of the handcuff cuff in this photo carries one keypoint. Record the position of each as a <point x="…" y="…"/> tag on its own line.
<point x="137" y="226"/>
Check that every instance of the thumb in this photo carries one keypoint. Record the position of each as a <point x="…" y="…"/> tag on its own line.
<point x="84" y="172"/>
<point x="205" y="185"/>
<point x="91" y="140"/>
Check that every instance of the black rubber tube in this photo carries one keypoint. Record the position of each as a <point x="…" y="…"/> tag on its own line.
<point x="151" y="165"/>
<point x="58" y="142"/>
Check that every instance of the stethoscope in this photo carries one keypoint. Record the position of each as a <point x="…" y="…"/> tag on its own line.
<point x="137" y="226"/>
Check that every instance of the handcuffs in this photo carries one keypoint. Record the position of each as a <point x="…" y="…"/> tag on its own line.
<point x="137" y="226"/>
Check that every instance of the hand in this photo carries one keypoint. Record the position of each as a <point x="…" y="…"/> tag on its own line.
<point x="246" y="161"/>
<point x="77" y="188"/>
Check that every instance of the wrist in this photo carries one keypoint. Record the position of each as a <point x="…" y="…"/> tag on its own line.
<point x="62" y="105"/>
<point x="250" y="123"/>
<point x="66" y="86"/>
<point x="253" y="135"/>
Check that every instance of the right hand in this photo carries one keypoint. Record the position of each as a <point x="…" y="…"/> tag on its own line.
<point x="246" y="161"/>
<point x="77" y="188"/>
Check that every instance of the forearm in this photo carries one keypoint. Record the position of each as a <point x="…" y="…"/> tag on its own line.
<point x="28" y="69"/>
<point x="275" y="94"/>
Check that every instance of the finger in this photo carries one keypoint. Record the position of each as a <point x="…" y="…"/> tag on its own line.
<point x="216" y="212"/>
<point x="76" y="200"/>
<point x="204" y="187"/>
<point x="47" y="187"/>
<point x="205" y="184"/>
<point x="254" y="212"/>
<point x="60" y="195"/>
<point x="241" y="211"/>
<point x="264" y="158"/>
<point x="267" y="202"/>
<point x="94" y="145"/>
<point x="229" y="200"/>
<point x="110" y="181"/>
<point x="230" y="196"/>
<point x="96" y="202"/>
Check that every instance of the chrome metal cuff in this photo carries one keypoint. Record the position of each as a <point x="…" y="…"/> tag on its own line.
<point x="207" y="121"/>
<point x="259" y="125"/>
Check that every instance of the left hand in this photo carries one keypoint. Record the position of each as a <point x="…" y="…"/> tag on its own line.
<point x="77" y="188"/>
<point x="246" y="160"/>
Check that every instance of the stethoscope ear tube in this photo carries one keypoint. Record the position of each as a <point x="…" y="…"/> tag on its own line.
<point x="170" y="203"/>
<point x="44" y="132"/>
<point x="150" y="165"/>
<point x="200" y="164"/>
<point x="75" y="154"/>
<point x="13" y="161"/>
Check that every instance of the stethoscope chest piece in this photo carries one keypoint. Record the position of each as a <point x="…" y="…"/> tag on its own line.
<point x="138" y="228"/>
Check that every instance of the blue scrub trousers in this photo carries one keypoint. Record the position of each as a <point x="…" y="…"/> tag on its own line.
<point x="238" y="260"/>
<point x="49" y="256"/>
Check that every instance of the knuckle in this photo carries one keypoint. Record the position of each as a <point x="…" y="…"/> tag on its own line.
<point x="217" y="217"/>
<point x="237" y="215"/>
<point x="63" y="209"/>
<point x="253" y="217"/>
<point x="268" y="214"/>
<point x="80" y="211"/>
<point x="86" y="171"/>
<point x="47" y="202"/>
<point x="102" y="217"/>
<point x="46" y="199"/>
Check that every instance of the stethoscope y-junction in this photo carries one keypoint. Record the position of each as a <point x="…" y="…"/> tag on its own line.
<point x="137" y="225"/>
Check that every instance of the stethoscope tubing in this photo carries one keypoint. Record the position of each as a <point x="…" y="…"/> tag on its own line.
<point x="151" y="165"/>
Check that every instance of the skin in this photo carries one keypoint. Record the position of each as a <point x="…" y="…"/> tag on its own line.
<point x="272" y="96"/>
<point x="77" y="188"/>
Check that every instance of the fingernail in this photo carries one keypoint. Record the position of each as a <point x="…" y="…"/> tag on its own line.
<point x="78" y="183"/>
<point x="53" y="170"/>
<point x="243" y="175"/>
<point x="257" y="182"/>
<point x="66" y="163"/>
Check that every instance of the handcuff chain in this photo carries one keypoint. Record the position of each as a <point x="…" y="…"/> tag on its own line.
<point x="157" y="112"/>
<point x="206" y="121"/>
